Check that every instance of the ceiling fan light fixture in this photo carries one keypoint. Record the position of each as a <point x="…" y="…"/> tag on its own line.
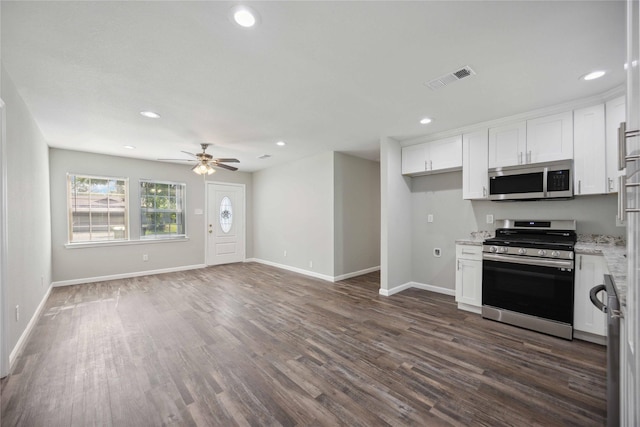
<point x="203" y="168"/>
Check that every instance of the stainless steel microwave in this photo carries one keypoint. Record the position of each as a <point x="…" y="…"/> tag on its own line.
<point x="536" y="181"/>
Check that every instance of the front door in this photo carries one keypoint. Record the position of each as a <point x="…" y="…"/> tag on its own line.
<point x="225" y="223"/>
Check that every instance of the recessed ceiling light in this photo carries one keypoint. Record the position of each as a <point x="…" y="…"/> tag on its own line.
<point x="281" y="143"/>
<point x="425" y="121"/>
<point x="594" y="75"/>
<point x="129" y="147"/>
<point x="244" y="16"/>
<point x="150" y="114"/>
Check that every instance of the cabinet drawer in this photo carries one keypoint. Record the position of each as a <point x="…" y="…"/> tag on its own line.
<point x="469" y="252"/>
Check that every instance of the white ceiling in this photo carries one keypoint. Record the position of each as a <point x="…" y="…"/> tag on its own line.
<point x="318" y="75"/>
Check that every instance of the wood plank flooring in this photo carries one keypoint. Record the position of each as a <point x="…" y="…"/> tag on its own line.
<point x="252" y="345"/>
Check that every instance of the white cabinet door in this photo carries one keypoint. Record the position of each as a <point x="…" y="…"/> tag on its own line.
<point x="469" y="277"/>
<point x="414" y="158"/>
<point x="445" y="154"/>
<point x="550" y="138"/>
<point x="614" y="115"/>
<point x="590" y="271"/>
<point x="507" y="145"/>
<point x="475" y="158"/>
<point x="589" y="151"/>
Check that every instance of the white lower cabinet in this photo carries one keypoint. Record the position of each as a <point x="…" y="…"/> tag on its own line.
<point x="469" y="277"/>
<point x="590" y="271"/>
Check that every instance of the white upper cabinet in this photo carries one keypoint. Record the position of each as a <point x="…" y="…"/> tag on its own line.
<point x="614" y="115"/>
<point x="445" y="154"/>
<point x="590" y="175"/>
<point x="507" y="145"/>
<point x="414" y="159"/>
<point x="550" y="138"/>
<point x="475" y="158"/>
<point x="431" y="157"/>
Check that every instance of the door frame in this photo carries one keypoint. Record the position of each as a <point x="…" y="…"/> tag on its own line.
<point x="210" y="184"/>
<point x="4" y="342"/>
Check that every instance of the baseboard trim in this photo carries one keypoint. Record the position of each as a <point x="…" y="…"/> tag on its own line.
<point x="126" y="275"/>
<point x="356" y="273"/>
<point x="290" y="268"/>
<point x="417" y="285"/>
<point x="17" y="349"/>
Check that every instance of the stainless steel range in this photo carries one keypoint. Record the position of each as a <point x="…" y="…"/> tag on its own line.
<point x="528" y="275"/>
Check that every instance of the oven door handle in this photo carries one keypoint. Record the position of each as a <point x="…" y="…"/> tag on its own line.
<point x="540" y="262"/>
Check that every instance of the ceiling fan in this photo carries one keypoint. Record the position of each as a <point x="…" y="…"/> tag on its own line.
<point x="205" y="163"/>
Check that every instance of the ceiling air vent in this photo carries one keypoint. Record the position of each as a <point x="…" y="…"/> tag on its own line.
<point x="449" y="78"/>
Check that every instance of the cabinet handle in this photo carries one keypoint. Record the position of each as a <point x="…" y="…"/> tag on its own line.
<point x="425" y="166"/>
<point x="622" y="146"/>
<point x="458" y="265"/>
<point x="484" y="191"/>
<point x="529" y="157"/>
<point x="579" y="186"/>
<point x="622" y="196"/>
<point x="520" y="158"/>
<point x="430" y="165"/>
<point x="610" y="184"/>
<point x="580" y="262"/>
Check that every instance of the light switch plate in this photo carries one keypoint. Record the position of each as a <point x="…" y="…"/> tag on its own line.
<point x="490" y="219"/>
<point x="430" y="218"/>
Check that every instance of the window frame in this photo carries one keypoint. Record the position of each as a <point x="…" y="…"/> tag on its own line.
<point x="182" y="211"/>
<point x="127" y="225"/>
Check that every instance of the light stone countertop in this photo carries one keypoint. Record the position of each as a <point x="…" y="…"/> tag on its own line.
<point x="612" y="248"/>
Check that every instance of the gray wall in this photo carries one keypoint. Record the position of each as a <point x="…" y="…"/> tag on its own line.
<point x="89" y="262"/>
<point x="396" y="227"/>
<point x="293" y="212"/>
<point x="356" y="214"/>
<point x="455" y="218"/>
<point x="29" y="221"/>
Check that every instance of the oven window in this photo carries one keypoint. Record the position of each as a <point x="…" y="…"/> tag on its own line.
<point x="513" y="184"/>
<point x="545" y="292"/>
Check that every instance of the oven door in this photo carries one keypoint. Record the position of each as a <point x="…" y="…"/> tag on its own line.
<point x="537" y="287"/>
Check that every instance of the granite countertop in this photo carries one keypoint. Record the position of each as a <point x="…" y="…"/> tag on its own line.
<point x="613" y="249"/>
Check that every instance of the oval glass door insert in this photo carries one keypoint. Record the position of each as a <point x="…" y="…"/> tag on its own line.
<point x="226" y="214"/>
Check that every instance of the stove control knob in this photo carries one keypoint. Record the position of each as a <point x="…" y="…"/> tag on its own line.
<point x="502" y="249"/>
<point x="522" y="251"/>
<point x="493" y="249"/>
<point x="542" y="252"/>
<point x="555" y="254"/>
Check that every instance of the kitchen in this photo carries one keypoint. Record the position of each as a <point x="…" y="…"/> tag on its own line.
<point x="424" y="216"/>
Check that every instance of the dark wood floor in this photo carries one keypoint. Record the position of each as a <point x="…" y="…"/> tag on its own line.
<point x="249" y="344"/>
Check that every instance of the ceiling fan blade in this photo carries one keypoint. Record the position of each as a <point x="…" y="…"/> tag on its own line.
<point x="191" y="154"/>
<point x="227" y="160"/>
<point x="220" y="165"/>
<point x="178" y="160"/>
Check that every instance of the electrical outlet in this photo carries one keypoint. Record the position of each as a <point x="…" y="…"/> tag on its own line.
<point x="17" y="313"/>
<point x="145" y="257"/>
<point x="285" y="252"/>
<point x="430" y="218"/>
<point x="437" y="252"/>
<point x="490" y="219"/>
<point x="310" y="264"/>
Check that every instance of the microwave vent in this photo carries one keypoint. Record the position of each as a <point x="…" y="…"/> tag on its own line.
<point x="449" y="78"/>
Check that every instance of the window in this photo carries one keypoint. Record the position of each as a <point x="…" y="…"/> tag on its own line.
<point x="162" y="209"/>
<point x="97" y="208"/>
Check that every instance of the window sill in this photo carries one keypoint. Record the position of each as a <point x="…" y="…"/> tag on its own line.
<point x="125" y="242"/>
